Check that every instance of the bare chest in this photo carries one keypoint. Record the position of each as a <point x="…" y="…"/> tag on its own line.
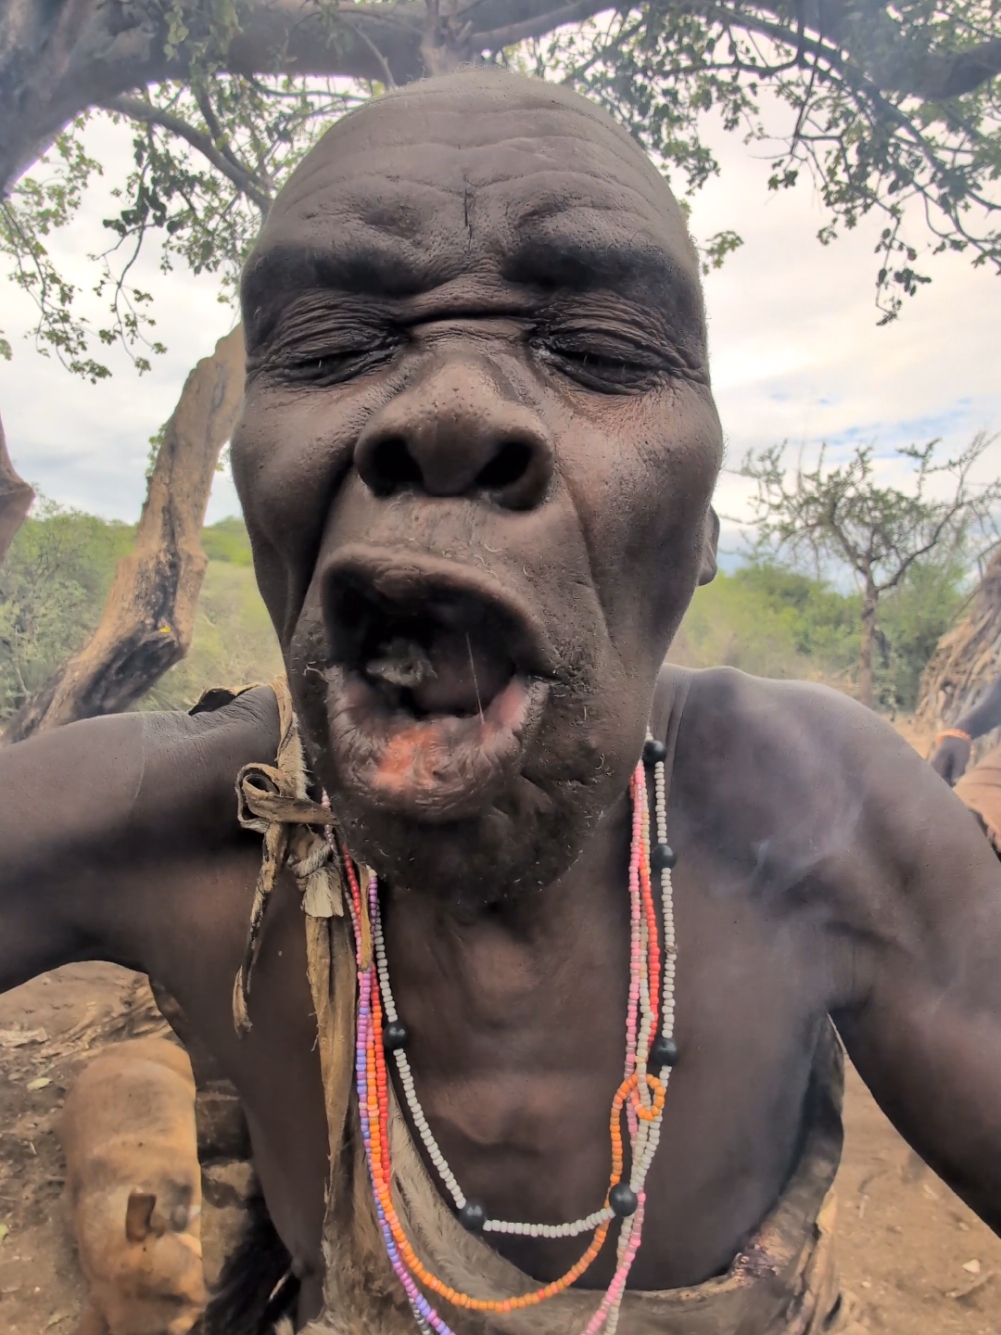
<point x="515" y="1068"/>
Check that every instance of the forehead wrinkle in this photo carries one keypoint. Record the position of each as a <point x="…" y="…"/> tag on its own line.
<point x="381" y="130"/>
<point x="396" y="169"/>
<point x="583" y="194"/>
<point x="550" y="194"/>
<point x="548" y="153"/>
<point x="416" y="200"/>
<point x="454" y="128"/>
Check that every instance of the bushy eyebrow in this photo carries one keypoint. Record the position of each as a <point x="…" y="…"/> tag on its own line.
<point x="548" y="262"/>
<point x="637" y="270"/>
<point x="365" y="268"/>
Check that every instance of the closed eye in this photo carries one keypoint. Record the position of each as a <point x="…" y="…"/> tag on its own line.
<point x="606" y="366"/>
<point x="333" y="367"/>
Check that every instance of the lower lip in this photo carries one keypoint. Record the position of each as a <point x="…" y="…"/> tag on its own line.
<point x="443" y="767"/>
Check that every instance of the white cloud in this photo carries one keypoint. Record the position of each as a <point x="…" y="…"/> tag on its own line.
<point x="87" y="445"/>
<point x="796" y="350"/>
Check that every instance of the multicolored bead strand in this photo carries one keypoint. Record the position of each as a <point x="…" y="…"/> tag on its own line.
<point x="640" y="1097"/>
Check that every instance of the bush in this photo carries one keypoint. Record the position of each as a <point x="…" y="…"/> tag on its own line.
<point x="912" y="619"/>
<point x="53" y="586"/>
<point x="228" y="541"/>
<point x="52" y="589"/>
<point x="772" y="621"/>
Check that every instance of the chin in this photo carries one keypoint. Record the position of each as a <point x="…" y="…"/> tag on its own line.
<point x="447" y="732"/>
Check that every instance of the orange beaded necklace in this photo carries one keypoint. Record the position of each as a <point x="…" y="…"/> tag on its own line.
<point x="640" y="1097"/>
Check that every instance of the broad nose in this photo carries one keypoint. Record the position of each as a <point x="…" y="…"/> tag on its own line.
<point x="454" y="433"/>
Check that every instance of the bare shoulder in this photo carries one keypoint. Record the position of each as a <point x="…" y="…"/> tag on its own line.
<point x="811" y="789"/>
<point x="144" y="776"/>
<point x="789" y="722"/>
<point x="196" y="757"/>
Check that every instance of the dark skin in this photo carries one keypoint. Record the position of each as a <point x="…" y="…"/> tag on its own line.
<point x="479" y="422"/>
<point x="952" y="754"/>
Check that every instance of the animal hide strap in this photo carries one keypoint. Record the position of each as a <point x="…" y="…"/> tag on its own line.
<point x="273" y="801"/>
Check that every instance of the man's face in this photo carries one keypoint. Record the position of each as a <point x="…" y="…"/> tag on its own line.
<point x="476" y="455"/>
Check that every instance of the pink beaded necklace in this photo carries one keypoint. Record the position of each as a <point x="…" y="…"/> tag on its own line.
<point x="651" y="1052"/>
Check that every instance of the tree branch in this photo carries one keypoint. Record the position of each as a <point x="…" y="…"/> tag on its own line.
<point x="246" y="181"/>
<point x="498" y="38"/>
<point x="388" y="77"/>
<point x="56" y="60"/>
<point x="149" y="615"/>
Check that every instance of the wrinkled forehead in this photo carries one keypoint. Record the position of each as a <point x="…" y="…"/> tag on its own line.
<point x="490" y="174"/>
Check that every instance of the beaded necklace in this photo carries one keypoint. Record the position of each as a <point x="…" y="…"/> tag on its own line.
<point x="651" y="1052"/>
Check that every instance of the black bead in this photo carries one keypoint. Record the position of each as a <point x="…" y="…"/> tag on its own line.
<point x="661" y="856"/>
<point x="623" y="1200"/>
<point x="394" y="1036"/>
<point x="653" y="751"/>
<point x="472" y="1217"/>
<point x="663" y="1052"/>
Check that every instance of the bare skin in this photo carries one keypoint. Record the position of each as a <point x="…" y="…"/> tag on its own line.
<point x="953" y="753"/>
<point x="479" y="419"/>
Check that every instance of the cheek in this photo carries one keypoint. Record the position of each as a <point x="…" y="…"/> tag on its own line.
<point x="643" y="476"/>
<point x="290" y="454"/>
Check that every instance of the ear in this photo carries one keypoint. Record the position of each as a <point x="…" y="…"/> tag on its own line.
<point x="139" y="1216"/>
<point x="710" y="539"/>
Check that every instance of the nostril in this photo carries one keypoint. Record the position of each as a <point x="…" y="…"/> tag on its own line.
<point x="391" y="466"/>
<point x="508" y="466"/>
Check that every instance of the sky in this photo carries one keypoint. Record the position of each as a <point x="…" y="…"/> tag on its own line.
<point x="796" y="352"/>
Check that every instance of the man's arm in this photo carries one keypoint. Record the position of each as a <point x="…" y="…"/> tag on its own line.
<point x="918" y="936"/>
<point x="953" y="752"/>
<point x="87" y="810"/>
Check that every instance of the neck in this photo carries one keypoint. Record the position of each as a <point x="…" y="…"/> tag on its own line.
<point x="513" y="1017"/>
<point x="527" y="916"/>
<point x="516" y="966"/>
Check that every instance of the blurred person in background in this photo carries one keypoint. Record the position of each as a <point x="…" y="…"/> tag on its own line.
<point x="978" y="788"/>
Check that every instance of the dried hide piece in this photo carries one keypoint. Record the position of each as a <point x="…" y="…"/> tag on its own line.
<point x="133" y="1187"/>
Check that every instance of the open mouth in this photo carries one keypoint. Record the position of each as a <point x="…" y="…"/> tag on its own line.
<point x="437" y="676"/>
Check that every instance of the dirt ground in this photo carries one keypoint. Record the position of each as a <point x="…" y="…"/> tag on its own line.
<point x="916" y="1260"/>
<point x="48" y="1028"/>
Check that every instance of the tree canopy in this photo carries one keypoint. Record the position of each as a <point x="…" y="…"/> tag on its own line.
<point x="889" y="109"/>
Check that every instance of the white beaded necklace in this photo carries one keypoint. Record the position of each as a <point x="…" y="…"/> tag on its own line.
<point x="648" y="1051"/>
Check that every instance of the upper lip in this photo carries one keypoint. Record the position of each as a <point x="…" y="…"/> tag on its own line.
<point x="397" y="580"/>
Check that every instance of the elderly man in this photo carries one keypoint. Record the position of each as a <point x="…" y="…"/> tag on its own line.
<point x="541" y="1083"/>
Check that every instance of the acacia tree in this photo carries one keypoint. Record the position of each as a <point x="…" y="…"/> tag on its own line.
<point x="839" y="515"/>
<point x="886" y="106"/>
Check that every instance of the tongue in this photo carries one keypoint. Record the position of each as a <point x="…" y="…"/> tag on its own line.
<point x="466" y="676"/>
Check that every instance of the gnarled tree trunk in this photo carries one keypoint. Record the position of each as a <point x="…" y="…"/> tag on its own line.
<point x="967" y="658"/>
<point x="15" y="498"/>
<point x="149" y="616"/>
